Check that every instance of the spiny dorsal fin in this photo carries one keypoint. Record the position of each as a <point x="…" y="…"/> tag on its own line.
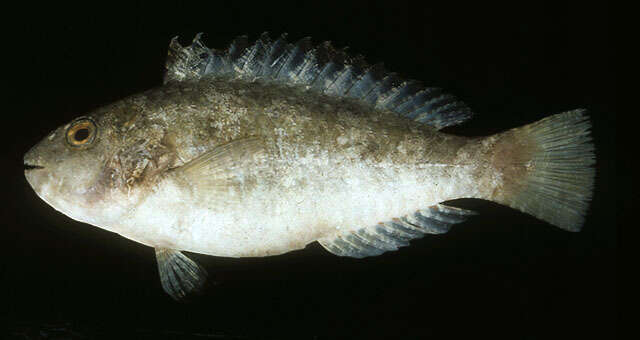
<point x="389" y="236"/>
<point x="179" y="275"/>
<point x="321" y="68"/>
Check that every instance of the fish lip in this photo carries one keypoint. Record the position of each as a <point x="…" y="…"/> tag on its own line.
<point x="29" y="167"/>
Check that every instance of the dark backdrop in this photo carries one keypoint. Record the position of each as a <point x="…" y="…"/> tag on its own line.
<point x="502" y="274"/>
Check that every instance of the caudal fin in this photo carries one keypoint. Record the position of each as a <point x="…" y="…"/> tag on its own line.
<point x="547" y="169"/>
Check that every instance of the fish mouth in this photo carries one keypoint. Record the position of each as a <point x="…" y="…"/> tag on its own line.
<point x="29" y="167"/>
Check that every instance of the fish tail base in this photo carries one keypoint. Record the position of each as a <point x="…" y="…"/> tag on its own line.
<point x="547" y="169"/>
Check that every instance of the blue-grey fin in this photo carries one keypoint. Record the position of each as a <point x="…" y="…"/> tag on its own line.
<point x="389" y="236"/>
<point x="179" y="275"/>
<point x="320" y="68"/>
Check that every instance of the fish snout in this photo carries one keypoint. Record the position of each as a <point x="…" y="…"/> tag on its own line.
<point x="32" y="161"/>
<point x="34" y="170"/>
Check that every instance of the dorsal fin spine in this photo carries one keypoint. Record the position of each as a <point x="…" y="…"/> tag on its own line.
<point x="365" y="84"/>
<point x="276" y="54"/>
<point x="279" y="62"/>
<point x="299" y="49"/>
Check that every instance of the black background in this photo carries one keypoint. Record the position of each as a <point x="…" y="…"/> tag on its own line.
<point x="502" y="274"/>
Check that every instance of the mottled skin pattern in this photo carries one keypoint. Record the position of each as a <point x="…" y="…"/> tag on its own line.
<point x="321" y="166"/>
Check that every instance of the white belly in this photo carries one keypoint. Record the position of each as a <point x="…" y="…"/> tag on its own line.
<point x="305" y="206"/>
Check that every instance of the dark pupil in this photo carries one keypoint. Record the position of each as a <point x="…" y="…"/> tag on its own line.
<point x="81" y="134"/>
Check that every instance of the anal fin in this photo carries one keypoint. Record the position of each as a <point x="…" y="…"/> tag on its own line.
<point x="179" y="275"/>
<point x="391" y="235"/>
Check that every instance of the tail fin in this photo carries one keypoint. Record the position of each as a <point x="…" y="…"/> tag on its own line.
<point x="547" y="169"/>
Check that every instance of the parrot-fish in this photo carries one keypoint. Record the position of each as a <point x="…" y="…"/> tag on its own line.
<point x="265" y="147"/>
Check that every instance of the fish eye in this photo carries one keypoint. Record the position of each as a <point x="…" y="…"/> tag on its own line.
<point x="82" y="132"/>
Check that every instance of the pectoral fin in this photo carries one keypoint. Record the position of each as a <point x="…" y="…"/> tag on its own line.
<point x="179" y="275"/>
<point x="224" y="171"/>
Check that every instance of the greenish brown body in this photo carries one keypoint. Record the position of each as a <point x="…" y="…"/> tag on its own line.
<point x="329" y="146"/>
<point x="350" y="165"/>
<point x="285" y="118"/>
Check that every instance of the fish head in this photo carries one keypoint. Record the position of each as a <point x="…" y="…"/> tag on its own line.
<point x="99" y="166"/>
<point x="67" y="167"/>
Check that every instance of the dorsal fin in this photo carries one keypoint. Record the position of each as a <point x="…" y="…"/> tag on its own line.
<point x="391" y="235"/>
<point x="321" y="68"/>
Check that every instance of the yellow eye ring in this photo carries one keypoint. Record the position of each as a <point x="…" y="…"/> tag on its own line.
<point x="82" y="132"/>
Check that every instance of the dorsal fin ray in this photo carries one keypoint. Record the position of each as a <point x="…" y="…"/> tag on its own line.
<point x="391" y="235"/>
<point x="320" y="68"/>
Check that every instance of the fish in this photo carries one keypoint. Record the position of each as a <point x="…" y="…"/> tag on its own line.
<point x="264" y="147"/>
